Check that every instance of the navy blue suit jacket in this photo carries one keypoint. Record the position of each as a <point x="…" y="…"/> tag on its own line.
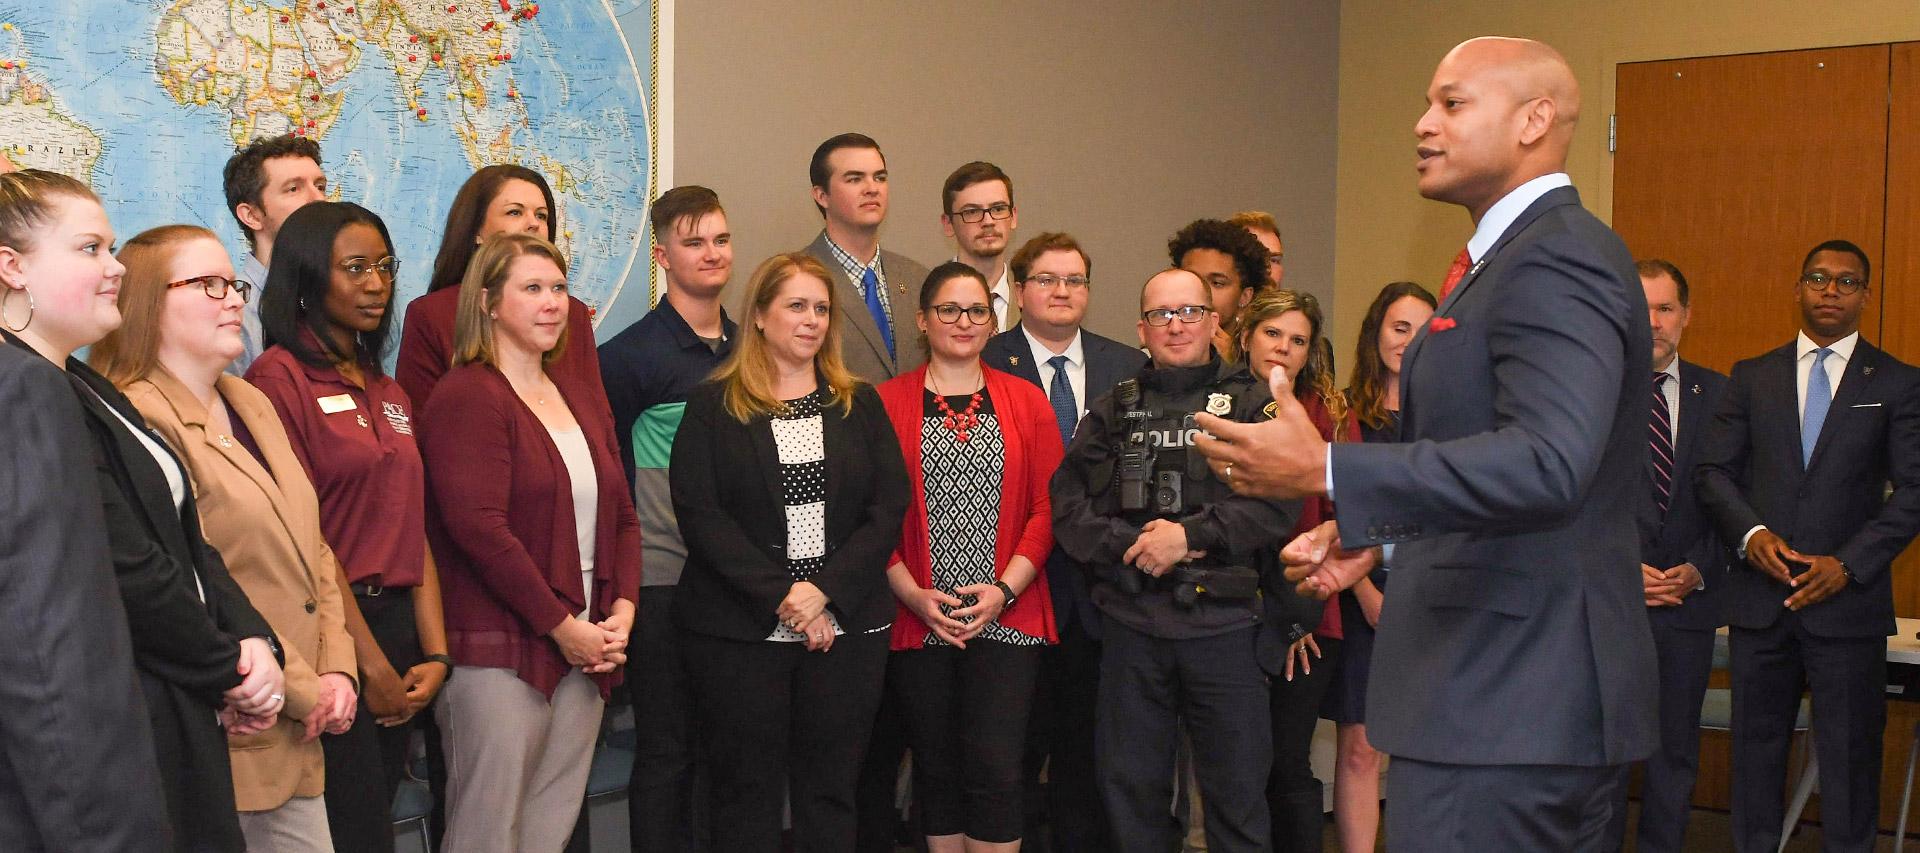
<point x="1751" y="473"/>
<point x="1108" y="362"/>
<point x="1684" y="534"/>
<point x="1517" y="629"/>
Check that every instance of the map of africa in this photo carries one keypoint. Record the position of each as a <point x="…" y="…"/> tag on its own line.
<point x="146" y="100"/>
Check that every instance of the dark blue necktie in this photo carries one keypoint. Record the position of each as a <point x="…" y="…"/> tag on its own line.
<point x="1819" y="399"/>
<point x="870" y="282"/>
<point x="1060" y="394"/>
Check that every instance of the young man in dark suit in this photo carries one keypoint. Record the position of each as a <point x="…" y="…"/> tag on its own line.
<point x="1514" y="672"/>
<point x="1052" y="280"/>
<point x="871" y="285"/>
<point x="1795" y="471"/>
<point x="1683" y="567"/>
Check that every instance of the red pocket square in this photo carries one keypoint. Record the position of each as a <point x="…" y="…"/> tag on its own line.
<point x="1441" y="324"/>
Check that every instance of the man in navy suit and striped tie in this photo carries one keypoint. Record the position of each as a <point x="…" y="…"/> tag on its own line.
<point x="1051" y="277"/>
<point x="1795" y="470"/>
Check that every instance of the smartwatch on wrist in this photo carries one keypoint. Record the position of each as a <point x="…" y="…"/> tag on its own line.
<point x="1011" y="598"/>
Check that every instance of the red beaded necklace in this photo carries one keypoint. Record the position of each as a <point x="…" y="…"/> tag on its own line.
<point x="962" y="423"/>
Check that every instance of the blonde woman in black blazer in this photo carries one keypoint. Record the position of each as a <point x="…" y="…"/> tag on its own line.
<point x="790" y="491"/>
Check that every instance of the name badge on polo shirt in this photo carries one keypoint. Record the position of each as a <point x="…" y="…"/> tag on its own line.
<point x="336" y="404"/>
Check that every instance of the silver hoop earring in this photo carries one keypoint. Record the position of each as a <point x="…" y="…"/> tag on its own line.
<point x="3" y="310"/>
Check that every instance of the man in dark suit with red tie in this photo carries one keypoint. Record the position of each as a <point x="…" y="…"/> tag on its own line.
<point x="1795" y="471"/>
<point x="1513" y="675"/>
<point x="1052" y="279"/>
<point x="1683" y="567"/>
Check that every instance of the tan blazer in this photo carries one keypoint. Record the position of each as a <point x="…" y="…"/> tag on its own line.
<point x="266" y="525"/>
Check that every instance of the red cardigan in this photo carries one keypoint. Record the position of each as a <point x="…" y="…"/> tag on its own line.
<point x="1313" y="511"/>
<point x="426" y="351"/>
<point x="1033" y="451"/>
<point x="500" y="520"/>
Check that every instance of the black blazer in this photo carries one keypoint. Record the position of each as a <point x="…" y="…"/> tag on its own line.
<point x="1750" y="473"/>
<point x="1108" y="363"/>
<point x="77" y="766"/>
<point x="186" y="651"/>
<point x="725" y="478"/>
<point x="1685" y="535"/>
<point x="1515" y="495"/>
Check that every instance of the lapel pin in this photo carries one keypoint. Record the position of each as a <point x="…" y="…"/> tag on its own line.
<point x="1475" y="270"/>
<point x="1696" y="389"/>
<point x="1867" y="371"/>
<point x="1013" y="360"/>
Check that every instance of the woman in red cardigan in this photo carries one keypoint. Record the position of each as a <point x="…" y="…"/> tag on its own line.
<point x="980" y="446"/>
<point x="539" y="553"/>
<point x="1281" y="330"/>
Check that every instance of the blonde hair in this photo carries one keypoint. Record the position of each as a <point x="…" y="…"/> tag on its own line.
<point x="746" y="377"/>
<point x="480" y="293"/>
<point x="1259" y="220"/>
<point x="1317" y="376"/>
<point x="26" y="203"/>
<point x="128" y="354"/>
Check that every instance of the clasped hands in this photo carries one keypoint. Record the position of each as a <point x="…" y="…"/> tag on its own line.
<point x="1670" y="587"/>
<point x="254" y="705"/>
<point x="1824" y="576"/>
<point x="805" y="610"/>
<point x="596" y="647"/>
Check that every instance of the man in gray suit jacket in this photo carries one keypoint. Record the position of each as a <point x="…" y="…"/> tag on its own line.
<point x="871" y="285"/>
<point x="77" y="761"/>
<point x="1514" y="673"/>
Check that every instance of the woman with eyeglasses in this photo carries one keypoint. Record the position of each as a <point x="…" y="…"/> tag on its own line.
<point x="980" y="446"/>
<point x="182" y="328"/>
<point x="1281" y="330"/>
<point x="351" y="426"/>
<point x="203" y="655"/>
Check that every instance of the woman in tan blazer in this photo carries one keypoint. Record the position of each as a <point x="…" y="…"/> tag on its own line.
<point x="257" y="508"/>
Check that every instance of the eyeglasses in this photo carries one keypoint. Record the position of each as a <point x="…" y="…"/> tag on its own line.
<point x="1186" y="313"/>
<point x="1048" y="281"/>
<point x="214" y="286"/>
<point x="1818" y="281"/>
<point x="949" y="313"/>
<point x="386" y="268"/>
<point x="973" y="214"/>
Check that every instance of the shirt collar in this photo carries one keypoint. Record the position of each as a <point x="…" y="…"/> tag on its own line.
<point x="1503" y="212"/>
<point x="255" y="273"/>
<point x="1075" y="353"/>
<point x="1000" y="288"/>
<point x="1673" y="370"/>
<point x="683" y="333"/>
<point x="1843" y="348"/>
<point x="854" y="266"/>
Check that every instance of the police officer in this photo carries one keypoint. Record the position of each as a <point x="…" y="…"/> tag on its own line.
<point x="1171" y="551"/>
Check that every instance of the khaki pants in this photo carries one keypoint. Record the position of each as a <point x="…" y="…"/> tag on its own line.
<point x="298" y="826"/>
<point x="517" y="764"/>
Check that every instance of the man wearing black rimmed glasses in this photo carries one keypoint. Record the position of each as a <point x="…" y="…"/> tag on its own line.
<point x="1170" y="553"/>
<point x="977" y="212"/>
<point x="1795" y="469"/>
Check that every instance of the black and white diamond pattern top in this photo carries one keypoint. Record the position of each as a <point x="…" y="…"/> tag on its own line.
<point x="963" y="503"/>
<point x="803" y="480"/>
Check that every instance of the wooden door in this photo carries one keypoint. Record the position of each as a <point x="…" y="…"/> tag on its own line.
<point x="1732" y="167"/>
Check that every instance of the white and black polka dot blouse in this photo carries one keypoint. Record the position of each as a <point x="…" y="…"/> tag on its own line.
<point x="798" y="435"/>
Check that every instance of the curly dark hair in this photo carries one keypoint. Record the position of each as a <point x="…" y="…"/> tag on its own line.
<point x="1249" y="257"/>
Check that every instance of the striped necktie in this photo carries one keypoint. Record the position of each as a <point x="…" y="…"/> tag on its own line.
<point x="1661" y="445"/>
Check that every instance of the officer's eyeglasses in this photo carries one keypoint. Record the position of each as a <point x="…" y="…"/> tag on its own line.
<point x="360" y="268"/>
<point x="214" y="286"/>
<point x="1186" y="313"/>
<point x="1048" y="281"/>
<point x="974" y="214"/>
<point x="950" y="313"/>
<point x="1818" y="281"/>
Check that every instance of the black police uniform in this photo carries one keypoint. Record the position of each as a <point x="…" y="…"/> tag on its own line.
<point x="1176" y="648"/>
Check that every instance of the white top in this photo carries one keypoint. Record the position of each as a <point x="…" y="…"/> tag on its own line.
<point x="170" y="468"/>
<point x="1835" y="365"/>
<point x="586" y="499"/>
<point x="1002" y="294"/>
<point x="1076" y="367"/>
<point x="1501" y="215"/>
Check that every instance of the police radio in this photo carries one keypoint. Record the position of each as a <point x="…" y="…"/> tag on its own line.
<point x="1133" y="469"/>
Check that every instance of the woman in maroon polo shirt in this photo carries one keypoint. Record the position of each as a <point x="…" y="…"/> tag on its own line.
<point x="980" y="447"/>
<point x="531" y="521"/>
<point x="351" y="426"/>
<point x="498" y="199"/>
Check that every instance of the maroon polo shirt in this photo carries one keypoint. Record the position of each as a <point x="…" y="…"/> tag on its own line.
<point x="357" y="446"/>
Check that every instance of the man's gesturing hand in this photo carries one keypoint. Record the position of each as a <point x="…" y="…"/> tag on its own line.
<point x="1281" y="458"/>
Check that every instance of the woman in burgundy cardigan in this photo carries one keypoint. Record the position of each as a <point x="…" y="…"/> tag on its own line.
<point x="498" y="199"/>
<point x="1281" y="330"/>
<point x="980" y="447"/>
<point x="539" y="552"/>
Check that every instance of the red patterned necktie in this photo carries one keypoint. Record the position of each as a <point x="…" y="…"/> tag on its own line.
<point x="1461" y="263"/>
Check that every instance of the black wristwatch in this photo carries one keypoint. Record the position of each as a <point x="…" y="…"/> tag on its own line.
<point x="273" y="643"/>
<point x="1011" y="598"/>
<point x="446" y="660"/>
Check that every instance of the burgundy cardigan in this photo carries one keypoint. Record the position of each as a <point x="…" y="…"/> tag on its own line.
<point x="426" y="351"/>
<point x="1033" y="451"/>
<point x="500" y="520"/>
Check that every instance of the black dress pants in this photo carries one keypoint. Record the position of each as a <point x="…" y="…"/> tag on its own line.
<point x="966" y="714"/>
<point x="1060" y="742"/>
<point x="1294" y="794"/>
<point x="663" y="789"/>
<point x="365" y="765"/>
<point x="780" y="723"/>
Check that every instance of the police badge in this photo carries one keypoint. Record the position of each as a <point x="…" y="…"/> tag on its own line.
<point x="1219" y="405"/>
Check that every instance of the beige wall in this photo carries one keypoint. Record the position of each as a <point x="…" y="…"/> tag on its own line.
<point x="1388" y="51"/>
<point x="1118" y="121"/>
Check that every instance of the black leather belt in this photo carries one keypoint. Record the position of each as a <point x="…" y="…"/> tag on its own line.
<point x="368" y="590"/>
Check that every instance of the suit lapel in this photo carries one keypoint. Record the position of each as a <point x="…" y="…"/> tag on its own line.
<point x="852" y="308"/>
<point x="153" y="495"/>
<point x="1853" y="385"/>
<point x="1779" y="378"/>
